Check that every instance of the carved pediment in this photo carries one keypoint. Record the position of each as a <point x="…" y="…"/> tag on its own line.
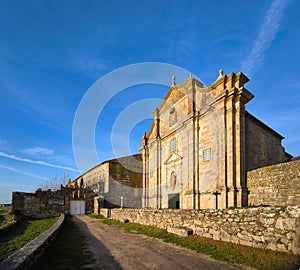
<point x="173" y="157"/>
<point x="172" y="97"/>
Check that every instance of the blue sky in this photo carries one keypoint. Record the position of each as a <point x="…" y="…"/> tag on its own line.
<point x="52" y="52"/>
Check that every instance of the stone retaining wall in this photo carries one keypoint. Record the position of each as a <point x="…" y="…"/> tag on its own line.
<point x="27" y="255"/>
<point x="8" y="226"/>
<point x="275" y="185"/>
<point x="276" y="228"/>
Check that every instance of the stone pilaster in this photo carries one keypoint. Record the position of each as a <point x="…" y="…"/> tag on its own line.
<point x="230" y="151"/>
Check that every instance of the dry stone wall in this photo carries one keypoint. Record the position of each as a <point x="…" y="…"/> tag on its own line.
<point x="276" y="228"/>
<point x="25" y="257"/>
<point x="275" y="185"/>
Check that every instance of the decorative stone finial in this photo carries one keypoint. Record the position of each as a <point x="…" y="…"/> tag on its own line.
<point x="157" y="112"/>
<point x="220" y="73"/>
<point x="173" y="81"/>
<point x="191" y="76"/>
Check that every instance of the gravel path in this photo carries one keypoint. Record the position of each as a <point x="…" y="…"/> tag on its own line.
<point x="115" y="249"/>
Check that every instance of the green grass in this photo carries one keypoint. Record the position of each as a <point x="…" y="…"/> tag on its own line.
<point x="22" y="234"/>
<point x="6" y="216"/>
<point x="96" y="216"/>
<point x="262" y="259"/>
<point x="68" y="250"/>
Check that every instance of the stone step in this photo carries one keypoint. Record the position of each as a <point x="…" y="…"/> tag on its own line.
<point x="185" y="232"/>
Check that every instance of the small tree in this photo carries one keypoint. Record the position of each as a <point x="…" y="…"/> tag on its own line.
<point x="54" y="183"/>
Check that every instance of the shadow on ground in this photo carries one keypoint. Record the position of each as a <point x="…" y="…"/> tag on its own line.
<point x="71" y="249"/>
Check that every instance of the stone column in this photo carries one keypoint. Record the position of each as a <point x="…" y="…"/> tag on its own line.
<point x="239" y="152"/>
<point x="195" y="156"/>
<point x="237" y="97"/>
<point x="196" y="169"/>
<point x="241" y="100"/>
<point x="156" y="116"/>
<point x="145" y="157"/>
<point x="230" y="151"/>
<point x="145" y="199"/>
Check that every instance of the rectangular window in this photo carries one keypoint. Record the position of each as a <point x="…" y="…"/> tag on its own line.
<point x="101" y="187"/>
<point x="207" y="154"/>
<point x="173" y="145"/>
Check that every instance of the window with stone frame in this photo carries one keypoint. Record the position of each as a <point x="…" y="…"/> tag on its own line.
<point x="173" y="145"/>
<point x="207" y="154"/>
<point x="101" y="187"/>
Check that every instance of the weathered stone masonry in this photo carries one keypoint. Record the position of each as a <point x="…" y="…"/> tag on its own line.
<point x="275" y="185"/>
<point x="276" y="228"/>
<point x="201" y="144"/>
<point x="113" y="179"/>
<point x="25" y="257"/>
<point x="45" y="204"/>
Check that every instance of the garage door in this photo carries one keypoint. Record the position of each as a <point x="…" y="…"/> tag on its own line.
<point x="77" y="207"/>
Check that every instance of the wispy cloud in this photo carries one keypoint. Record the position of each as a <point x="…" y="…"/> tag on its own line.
<point x="89" y="63"/>
<point x="265" y="37"/>
<point x="10" y="185"/>
<point x="38" y="162"/>
<point x="39" y="150"/>
<point x="4" y="145"/>
<point x="21" y="172"/>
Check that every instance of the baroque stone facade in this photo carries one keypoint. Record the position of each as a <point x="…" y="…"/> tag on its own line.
<point x="202" y="143"/>
<point x="117" y="182"/>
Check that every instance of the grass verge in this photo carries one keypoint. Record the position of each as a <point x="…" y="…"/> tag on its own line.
<point x="262" y="259"/>
<point x="25" y="231"/>
<point x="68" y="250"/>
<point x="5" y="217"/>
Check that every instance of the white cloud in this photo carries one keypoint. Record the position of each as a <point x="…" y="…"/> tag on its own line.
<point x="21" y="172"/>
<point x="265" y="37"/>
<point x="38" y="150"/>
<point x="38" y="162"/>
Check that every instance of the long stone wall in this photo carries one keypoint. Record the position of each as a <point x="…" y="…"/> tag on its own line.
<point x="8" y="226"/>
<point x="276" y="228"/>
<point x="27" y="255"/>
<point x="275" y="185"/>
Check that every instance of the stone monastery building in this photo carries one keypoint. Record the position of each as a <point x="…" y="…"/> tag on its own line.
<point x="203" y="151"/>
<point x="114" y="179"/>
<point x="201" y="145"/>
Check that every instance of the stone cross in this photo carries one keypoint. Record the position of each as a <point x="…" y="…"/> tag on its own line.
<point x="216" y="193"/>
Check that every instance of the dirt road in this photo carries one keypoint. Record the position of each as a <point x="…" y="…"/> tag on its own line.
<point x="115" y="249"/>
